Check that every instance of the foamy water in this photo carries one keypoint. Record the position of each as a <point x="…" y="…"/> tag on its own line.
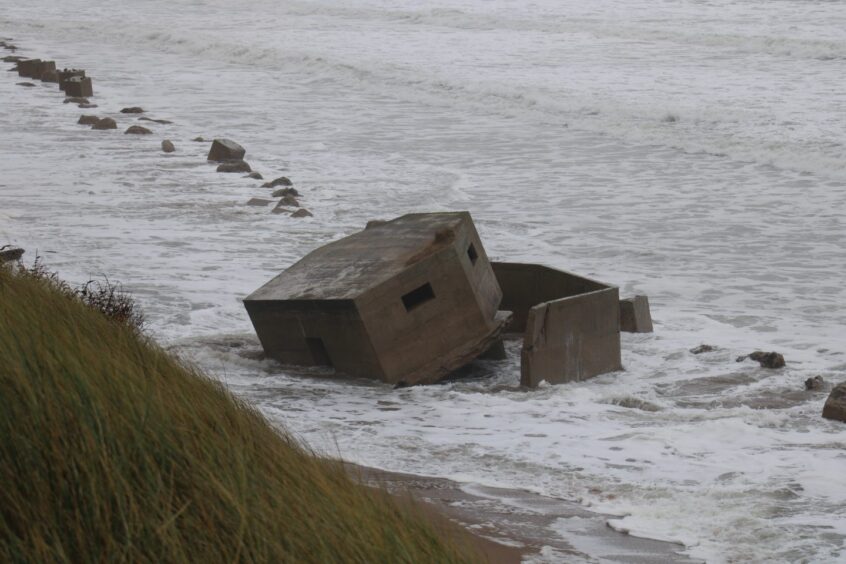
<point x="691" y="151"/>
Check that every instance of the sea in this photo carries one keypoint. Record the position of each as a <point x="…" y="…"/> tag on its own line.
<point x="693" y="151"/>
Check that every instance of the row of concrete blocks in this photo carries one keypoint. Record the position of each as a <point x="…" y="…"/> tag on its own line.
<point x="72" y="82"/>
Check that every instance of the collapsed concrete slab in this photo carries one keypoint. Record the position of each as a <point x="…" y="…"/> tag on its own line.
<point x="570" y="324"/>
<point x="407" y="301"/>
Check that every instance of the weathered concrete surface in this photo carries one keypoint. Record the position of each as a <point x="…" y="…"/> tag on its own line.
<point x="835" y="405"/>
<point x="570" y="323"/>
<point x="67" y="74"/>
<point x="635" y="316"/>
<point x="226" y="150"/>
<point x="79" y="87"/>
<point x="405" y="302"/>
<point x="28" y="67"/>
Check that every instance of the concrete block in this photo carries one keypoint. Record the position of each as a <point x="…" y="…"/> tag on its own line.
<point x="29" y="67"/>
<point x="67" y="74"/>
<point x="635" y="316"/>
<point x="79" y="87"/>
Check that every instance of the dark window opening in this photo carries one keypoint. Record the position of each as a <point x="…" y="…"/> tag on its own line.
<point x="418" y="296"/>
<point x="471" y="252"/>
<point x="319" y="354"/>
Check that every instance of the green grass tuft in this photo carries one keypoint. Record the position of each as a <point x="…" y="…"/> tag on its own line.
<point x="111" y="450"/>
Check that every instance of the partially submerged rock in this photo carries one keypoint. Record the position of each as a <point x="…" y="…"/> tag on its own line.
<point x="302" y="212"/>
<point x="226" y="150"/>
<point x="76" y="100"/>
<point x="105" y="123"/>
<point x="259" y="202"/>
<point x="10" y="254"/>
<point x="703" y="349"/>
<point x="86" y="106"/>
<point x="255" y="175"/>
<point x="161" y="121"/>
<point x="765" y="359"/>
<point x="814" y="384"/>
<point x="282" y="192"/>
<point x="26" y="84"/>
<point x="234" y="166"/>
<point x="289" y="201"/>
<point x="132" y="110"/>
<point x="87" y="120"/>
<point x="198" y="140"/>
<point x="281" y="181"/>
<point x="835" y="405"/>
<point x="167" y="146"/>
<point x="137" y="130"/>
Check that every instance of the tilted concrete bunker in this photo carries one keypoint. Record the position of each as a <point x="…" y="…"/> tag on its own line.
<point x="570" y="324"/>
<point x="407" y="301"/>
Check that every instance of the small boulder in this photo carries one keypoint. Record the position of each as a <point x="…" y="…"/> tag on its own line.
<point x="302" y="212"/>
<point x="281" y="181"/>
<point x="226" y="150"/>
<point x="234" y="166"/>
<point x="281" y="209"/>
<point x="132" y="110"/>
<point x="815" y="383"/>
<point x="285" y="192"/>
<point x="255" y="175"/>
<point x="198" y="140"/>
<point x="167" y="146"/>
<point x="76" y="100"/>
<point x="703" y="349"/>
<point x="259" y="202"/>
<point x="87" y="120"/>
<point x="289" y="201"/>
<point x="835" y="405"/>
<point x="86" y="106"/>
<point x="105" y="123"/>
<point x="27" y="84"/>
<point x="768" y="359"/>
<point x="137" y="130"/>
<point x="10" y="254"/>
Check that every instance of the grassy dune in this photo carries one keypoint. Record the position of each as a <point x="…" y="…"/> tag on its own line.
<point x="111" y="450"/>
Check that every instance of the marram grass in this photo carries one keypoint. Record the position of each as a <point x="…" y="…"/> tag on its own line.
<point x="113" y="451"/>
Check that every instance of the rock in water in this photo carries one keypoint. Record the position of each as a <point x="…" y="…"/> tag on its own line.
<point x="281" y="181"/>
<point x="289" y="201"/>
<point x="703" y="349"/>
<point x="234" y="166"/>
<point x="255" y="176"/>
<point x="161" y="121"/>
<point x="259" y="202"/>
<point x="137" y="130"/>
<point x="167" y="146"/>
<point x="27" y="84"/>
<point x="132" y="110"/>
<point x="286" y="192"/>
<point x="835" y="405"/>
<point x="105" y="123"/>
<point x="768" y="359"/>
<point x="10" y="254"/>
<point x="815" y="383"/>
<point x="226" y="150"/>
<point x="88" y="120"/>
<point x="302" y="212"/>
<point x="76" y="100"/>
<point x="198" y="140"/>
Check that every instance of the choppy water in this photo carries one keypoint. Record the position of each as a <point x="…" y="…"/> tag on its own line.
<point x="692" y="151"/>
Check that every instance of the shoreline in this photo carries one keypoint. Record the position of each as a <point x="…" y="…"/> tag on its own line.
<point x="512" y="525"/>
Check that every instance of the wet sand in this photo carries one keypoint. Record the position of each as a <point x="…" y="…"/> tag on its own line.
<point x="518" y="526"/>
